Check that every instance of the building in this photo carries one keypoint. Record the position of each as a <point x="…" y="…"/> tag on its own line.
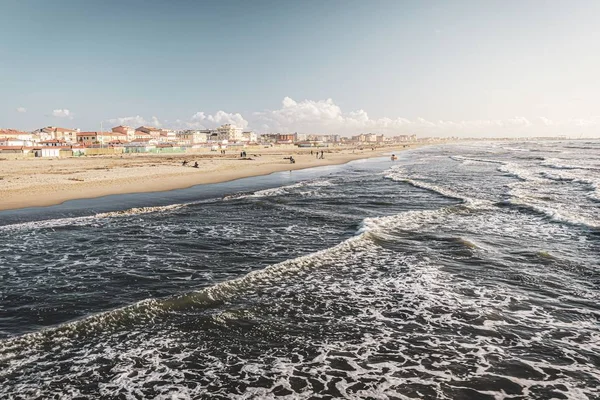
<point x="286" y="138"/>
<point x="126" y="130"/>
<point x="154" y="132"/>
<point x="107" y="137"/>
<point x="141" y="135"/>
<point x="192" y="137"/>
<point x="269" y="137"/>
<point x="144" y="142"/>
<point x="53" y="143"/>
<point x="249" y="137"/>
<point x="229" y="132"/>
<point x="53" y="132"/>
<point x="15" y="134"/>
<point x="87" y="138"/>
<point x="15" y="142"/>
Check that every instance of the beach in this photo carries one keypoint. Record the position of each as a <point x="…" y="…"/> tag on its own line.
<point x="39" y="182"/>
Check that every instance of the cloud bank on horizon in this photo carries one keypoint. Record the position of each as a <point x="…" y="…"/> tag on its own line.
<point x="326" y="117"/>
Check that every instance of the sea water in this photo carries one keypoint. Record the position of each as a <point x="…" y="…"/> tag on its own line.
<point x="457" y="271"/>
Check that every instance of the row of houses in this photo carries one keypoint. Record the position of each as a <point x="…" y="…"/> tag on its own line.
<point x="52" y="140"/>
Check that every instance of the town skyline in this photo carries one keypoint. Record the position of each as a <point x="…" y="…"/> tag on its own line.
<point x="428" y="68"/>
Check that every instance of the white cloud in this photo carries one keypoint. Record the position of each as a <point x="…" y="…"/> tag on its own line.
<point x="202" y="120"/>
<point x="155" y="122"/>
<point x="324" y="116"/>
<point x="519" y="121"/>
<point x="21" y="109"/>
<point x="133" y="121"/>
<point x="62" y="113"/>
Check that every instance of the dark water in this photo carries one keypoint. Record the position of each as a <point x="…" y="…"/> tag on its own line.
<point x="454" y="272"/>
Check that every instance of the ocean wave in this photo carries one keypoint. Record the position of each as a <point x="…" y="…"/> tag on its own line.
<point x="397" y="175"/>
<point x="520" y="172"/>
<point x="141" y="210"/>
<point x="482" y="160"/>
<point x="561" y="216"/>
<point x="282" y="190"/>
<point x="86" y="220"/>
<point x="593" y="185"/>
<point x="150" y="309"/>
<point x="559" y="164"/>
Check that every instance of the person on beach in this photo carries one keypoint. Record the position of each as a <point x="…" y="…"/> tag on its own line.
<point x="184" y="163"/>
<point x="196" y="164"/>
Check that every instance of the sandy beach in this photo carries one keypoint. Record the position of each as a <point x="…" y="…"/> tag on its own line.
<point x="49" y="181"/>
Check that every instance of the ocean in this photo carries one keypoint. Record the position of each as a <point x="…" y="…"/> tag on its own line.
<point x="459" y="271"/>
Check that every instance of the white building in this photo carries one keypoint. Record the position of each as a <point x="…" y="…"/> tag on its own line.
<point x="249" y="136"/>
<point x="229" y="132"/>
<point x="191" y="137"/>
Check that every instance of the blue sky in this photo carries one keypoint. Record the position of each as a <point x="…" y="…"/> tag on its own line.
<point x="430" y="67"/>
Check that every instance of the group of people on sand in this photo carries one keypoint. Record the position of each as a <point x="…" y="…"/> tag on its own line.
<point x="320" y="155"/>
<point x="243" y="154"/>
<point x="185" y="163"/>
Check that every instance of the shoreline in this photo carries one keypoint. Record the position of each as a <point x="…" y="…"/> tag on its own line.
<point x="48" y="182"/>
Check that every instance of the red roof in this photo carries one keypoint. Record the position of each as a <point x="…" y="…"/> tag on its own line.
<point x="57" y="129"/>
<point x="12" y="132"/>
<point x="148" y="128"/>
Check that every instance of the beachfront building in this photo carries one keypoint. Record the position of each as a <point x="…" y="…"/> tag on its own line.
<point x="54" y="132"/>
<point x="107" y="137"/>
<point x="144" y="142"/>
<point x="191" y="137"/>
<point x="15" y="142"/>
<point x="126" y="130"/>
<point x="87" y="138"/>
<point x="405" y="138"/>
<point x="268" y="138"/>
<point x="229" y="132"/>
<point x="168" y="136"/>
<point x="102" y="138"/>
<point x="141" y="135"/>
<point x="15" y="134"/>
<point x="153" y="132"/>
<point x="249" y="137"/>
<point x="286" y="138"/>
<point x="53" y="143"/>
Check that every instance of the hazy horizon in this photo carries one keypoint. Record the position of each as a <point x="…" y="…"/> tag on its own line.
<point x="464" y="68"/>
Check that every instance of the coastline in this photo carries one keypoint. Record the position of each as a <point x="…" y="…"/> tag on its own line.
<point x="47" y="182"/>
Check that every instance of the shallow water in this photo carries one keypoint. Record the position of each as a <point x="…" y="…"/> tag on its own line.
<point x="454" y="272"/>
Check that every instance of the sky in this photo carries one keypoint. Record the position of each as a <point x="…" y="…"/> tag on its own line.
<point x="433" y="68"/>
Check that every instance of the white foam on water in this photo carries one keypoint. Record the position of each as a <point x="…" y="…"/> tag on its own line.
<point x="556" y="163"/>
<point x="474" y="159"/>
<point x="313" y="187"/>
<point x="86" y="220"/>
<point x="398" y="175"/>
